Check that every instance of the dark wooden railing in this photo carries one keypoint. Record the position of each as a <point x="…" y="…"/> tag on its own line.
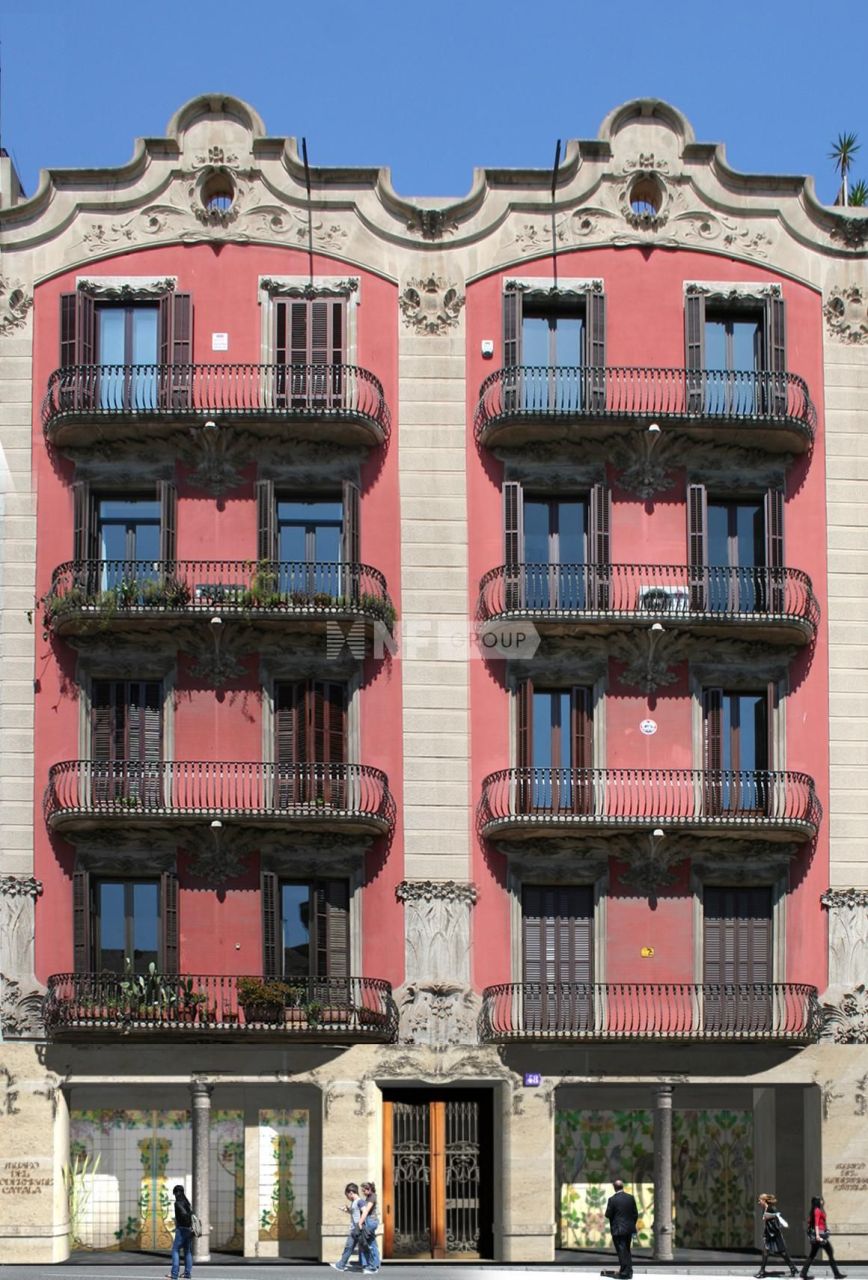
<point x="668" y="797"/>
<point x="104" y="588"/>
<point x="192" y="390"/>
<point x="216" y="788"/>
<point x="197" y="1006"/>
<point x="783" y="1011"/>
<point x="700" y="395"/>
<point x="679" y="593"/>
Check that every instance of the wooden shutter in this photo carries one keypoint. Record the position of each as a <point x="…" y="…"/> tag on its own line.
<point x="266" y="544"/>
<point x="170" y="959"/>
<point x="600" y="550"/>
<point x="103" y="729"/>
<point x="85" y="323"/>
<point x="68" y="317"/>
<point x="583" y="748"/>
<point x="351" y="538"/>
<point x="512" y="328"/>
<point x="524" y="723"/>
<point x="81" y="919"/>
<point x="713" y="708"/>
<point x="288" y="724"/>
<point x="182" y="328"/>
<point x="557" y="956"/>
<point x="82" y="520"/>
<point x="595" y="350"/>
<point x="332" y="943"/>
<point x="737" y="934"/>
<point x="697" y="524"/>
<point x="776" y="356"/>
<point x="513" y="543"/>
<point x="167" y="494"/>
<point x="272" y="960"/>
<point x="142" y="707"/>
<point x="694" y="348"/>
<point x="774" y="549"/>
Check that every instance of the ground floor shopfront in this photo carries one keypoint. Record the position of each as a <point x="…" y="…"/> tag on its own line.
<point x="472" y="1161"/>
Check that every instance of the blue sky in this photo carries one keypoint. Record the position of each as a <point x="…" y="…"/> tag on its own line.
<point x="433" y="89"/>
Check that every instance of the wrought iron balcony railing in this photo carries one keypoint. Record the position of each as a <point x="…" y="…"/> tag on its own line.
<point x="691" y="396"/>
<point x="678" y="595"/>
<point x="530" y="799"/>
<point x="780" y="1011"/>
<point x="82" y="792"/>
<point x="184" y="391"/>
<point x="103" y="591"/>
<point x="197" y="1007"/>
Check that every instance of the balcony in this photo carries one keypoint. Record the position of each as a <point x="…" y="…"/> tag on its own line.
<point x="517" y="803"/>
<point x="192" y="1007"/>
<point x="785" y="1013"/>
<point x="83" y="795"/>
<point x="91" y="596"/>
<point x="773" y="605"/>
<point x="522" y="404"/>
<point x="87" y="404"/>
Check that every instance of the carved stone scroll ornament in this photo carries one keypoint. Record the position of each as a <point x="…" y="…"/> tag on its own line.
<point x="648" y="461"/>
<point x="432" y="224"/>
<point x="848" y="935"/>
<point x="650" y="860"/>
<point x="851" y="232"/>
<point x="219" y="656"/>
<point x="438" y="1015"/>
<point x="15" y="303"/>
<point x="20" y="993"/>
<point x="219" y="851"/>
<point x="276" y="287"/>
<point x="650" y="656"/>
<point x="846" y="1022"/>
<point x="430" y="306"/>
<point x="217" y="455"/>
<point x="126" y="288"/>
<point x="846" y="313"/>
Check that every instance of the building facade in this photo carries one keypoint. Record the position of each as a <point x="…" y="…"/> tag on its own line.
<point x="433" y="694"/>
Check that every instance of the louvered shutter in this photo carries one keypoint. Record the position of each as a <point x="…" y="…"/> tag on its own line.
<point x="335" y="953"/>
<point x="182" y="350"/>
<point x="170" y="959"/>
<point x="715" y="786"/>
<point x="289" y="741"/>
<point x="68" y="317"/>
<point x="774" y="531"/>
<point x="697" y="524"/>
<point x="103" y="741"/>
<point x="513" y="544"/>
<point x="776" y="356"/>
<point x="266" y="542"/>
<point x="165" y="348"/>
<point x="737" y="959"/>
<point x="600" y="550"/>
<point x="525" y="789"/>
<point x="351" y="541"/>
<point x="694" y="349"/>
<point x="86" y="381"/>
<point x="583" y="749"/>
<point x="512" y="308"/>
<point x="272" y="958"/>
<point x="143" y="710"/>
<point x="82" y="519"/>
<point x="595" y="351"/>
<point x="81" y="920"/>
<point x="167" y="495"/>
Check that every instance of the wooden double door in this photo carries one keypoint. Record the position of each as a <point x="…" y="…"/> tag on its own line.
<point x="437" y="1174"/>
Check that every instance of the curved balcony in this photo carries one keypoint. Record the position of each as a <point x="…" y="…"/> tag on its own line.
<point x="518" y="803"/>
<point x="524" y="403"/>
<point x="90" y="596"/>
<point x="776" y="605"/>
<point x="338" y="402"/>
<point x="85" y="794"/>
<point x="785" y="1012"/>
<point x="192" y="1007"/>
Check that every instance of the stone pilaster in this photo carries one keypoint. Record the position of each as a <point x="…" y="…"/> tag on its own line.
<point x="201" y="1094"/>
<point x="663" y="1173"/>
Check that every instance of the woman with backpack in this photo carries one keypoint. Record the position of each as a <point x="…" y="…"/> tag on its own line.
<point x="818" y="1235"/>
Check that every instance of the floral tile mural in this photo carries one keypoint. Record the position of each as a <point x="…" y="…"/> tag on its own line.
<point x="712" y="1175"/>
<point x="284" y="1150"/>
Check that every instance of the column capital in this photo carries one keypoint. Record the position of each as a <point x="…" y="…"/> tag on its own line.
<point x="201" y="1091"/>
<point x="663" y="1094"/>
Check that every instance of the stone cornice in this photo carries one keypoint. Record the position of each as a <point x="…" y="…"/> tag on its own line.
<point x="835" y="899"/>
<point x="20" y="887"/>
<point x="431" y="890"/>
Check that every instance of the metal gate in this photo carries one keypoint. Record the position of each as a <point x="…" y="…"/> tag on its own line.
<point x="437" y="1177"/>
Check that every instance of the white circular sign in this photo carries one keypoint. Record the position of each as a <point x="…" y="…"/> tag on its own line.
<point x="648" y="726"/>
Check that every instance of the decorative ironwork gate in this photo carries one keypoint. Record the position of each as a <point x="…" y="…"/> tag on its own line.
<point x="437" y="1176"/>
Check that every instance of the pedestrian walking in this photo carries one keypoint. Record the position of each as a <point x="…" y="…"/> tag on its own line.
<point x="369" y="1220"/>
<point x="623" y="1214"/>
<point x="182" y="1241"/>
<point x="353" y="1207"/>
<point x="773" y="1235"/>
<point x="818" y="1236"/>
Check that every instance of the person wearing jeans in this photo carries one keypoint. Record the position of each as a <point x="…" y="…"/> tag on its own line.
<point x="183" y="1238"/>
<point x="369" y="1220"/>
<point x="353" y="1207"/>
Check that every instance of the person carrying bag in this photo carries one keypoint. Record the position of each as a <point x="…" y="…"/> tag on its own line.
<point x="818" y="1235"/>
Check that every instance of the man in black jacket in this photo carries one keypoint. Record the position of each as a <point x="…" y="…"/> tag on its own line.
<point x="623" y="1214"/>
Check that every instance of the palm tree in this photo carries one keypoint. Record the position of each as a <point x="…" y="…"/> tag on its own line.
<point x="859" y="194"/>
<point x="843" y="151"/>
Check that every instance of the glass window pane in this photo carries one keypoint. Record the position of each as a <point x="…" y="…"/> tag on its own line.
<point x="570" y="520"/>
<point x="145" y="925"/>
<point x="316" y="511"/>
<point x="535" y="347"/>
<point x="327" y="543"/>
<point x="564" y="701"/>
<point x="745" y="344"/>
<point x="144" y="325"/>
<point x="295" y="917"/>
<point x="129" y="509"/>
<point x="112" y="541"/>
<point x="111" y="330"/>
<point x="536" y="532"/>
<point x="111" y="940"/>
<point x="146" y="542"/>
<point x="568" y="340"/>
<point x="291" y="542"/>
<point x="750" y="533"/>
<point x="543" y="713"/>
<point x="715" y="344"/>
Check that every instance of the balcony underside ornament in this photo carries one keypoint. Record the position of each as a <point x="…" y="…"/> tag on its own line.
<point x="650" y="656"/>
<point x="217" y="455"/>
<point x="219" y="851"/>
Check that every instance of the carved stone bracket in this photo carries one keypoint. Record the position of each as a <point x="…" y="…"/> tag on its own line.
<point x="650" y="860"/>
<point x="430" y="306"/>
<point x="648" y="460"/>
<point x="848" y="935"/>
<point x="432" y="224"/>
<point x="15" y="303"/>
<point x="438" y="1007"/>
<point x="219" y="851"/>
<point x="20" y="887"/>
<point x="217" y="455"/>
<point x="650" y="656"/>
<point x="20" y="1009"/>
<point x="846" y="313"/>
<point x="218" y="657"/>
<point x="846" y="1021"/>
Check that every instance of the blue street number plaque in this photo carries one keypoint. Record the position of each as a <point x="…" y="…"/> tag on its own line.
<point x="532" y="1079"/>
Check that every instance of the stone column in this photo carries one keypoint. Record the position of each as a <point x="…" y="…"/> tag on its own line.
<point x="663" y="1173"/>
<point x="201" y="1094"/>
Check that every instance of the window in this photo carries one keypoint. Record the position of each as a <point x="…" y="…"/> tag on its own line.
<point x="556" y="549"/>
<point x="309" y="352"/>
<point x="312" y="539"/>
<point x="129" y="358"/>
<point x="738" y="749"/>
<point x="124" y="527"/>
<point x="306" y="932"/>
<point x="126" y="741"/>
<point x="558" y="957"/>
<point x="556" y="345"/>
<point x="736" y="550"/>
<point x="554" y="742"/>
<point x="310" y="743"/>
<point x="733" y="351"/>
<point x="737" y="958"/>
<point x="119" y="921"/>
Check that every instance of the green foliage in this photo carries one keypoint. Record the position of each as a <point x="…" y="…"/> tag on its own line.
<point x="859" y="194"/>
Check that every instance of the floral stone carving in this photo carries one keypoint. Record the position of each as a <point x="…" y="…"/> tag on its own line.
<point x="437" y="1006"/>
<point x="20" y="993"/>
<point x="848" y="935"/>
<point x="846" y="313"/>
<point x="847" y="1021"/>
<point x="430" y="306"/>
<point x="15" y="303"/>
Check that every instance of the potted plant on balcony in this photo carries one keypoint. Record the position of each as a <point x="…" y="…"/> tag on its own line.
<point x="295" y="1010"/>
<point x="262" y="999"/>
<point x="189" y="1003"/>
